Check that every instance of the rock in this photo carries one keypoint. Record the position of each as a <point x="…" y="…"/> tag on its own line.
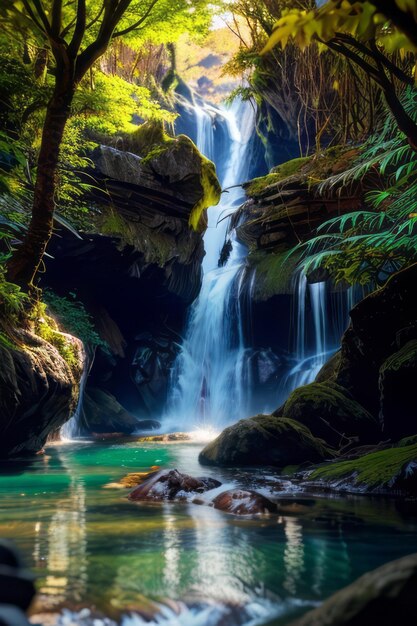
<point x="38" y="390"/>
<point x="383" y="597"/>
<point x="331" y="413"/>
<point x="389" y="471"/>
<point x="102" y="413"/>
<point x="381" y="325"/>
<point x="265" y="440"/>
<point x="398" y="405"/>
<point x="330" y="369"/>
<point x="241" y="502"/>
<point x="171" y="485"/>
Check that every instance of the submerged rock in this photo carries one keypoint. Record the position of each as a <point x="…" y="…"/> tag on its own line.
<point x="171" y="485"/>
<point x="383" y="597"/>
<point x="242" y="502"/>
<point x="39" y="388"/>
<point x="265" y="440"/>
<point x="331" y="413"/>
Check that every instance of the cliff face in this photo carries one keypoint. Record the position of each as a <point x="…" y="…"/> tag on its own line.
<point x="139" y="268"/>
<point x="38" y="390"/>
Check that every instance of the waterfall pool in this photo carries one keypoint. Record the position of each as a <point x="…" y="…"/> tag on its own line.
<point x="91" y="547"/>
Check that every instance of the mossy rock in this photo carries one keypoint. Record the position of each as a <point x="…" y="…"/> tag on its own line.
<point x="329" y="411"/>
<point x="383" y="597"/>
<point x="386" y="471"/>
<point x="274" y="273"/>
<point x="397" y="377"/>
<point x="330" y="369"/>
<point x="265" y="440"/>
<point x="277" y="174"/>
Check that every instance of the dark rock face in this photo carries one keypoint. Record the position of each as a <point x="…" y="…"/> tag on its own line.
<point x="383" y="597"/>
<point x="241" y="502"/>
<point x="378" y="356"/>
<point x="38" y="393"/>
<point x="172" y="485"/>
<point x="264" y="440"/>
<point x="102" y="413"/>
<point x="140" y="269"/>
<point x="330" y="412"/>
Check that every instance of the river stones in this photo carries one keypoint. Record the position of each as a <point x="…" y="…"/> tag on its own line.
<point x="383" y="597"/>
<point x="243" y="502"/>
<point x="265" y="440"/>
<point x="171" y="485"/>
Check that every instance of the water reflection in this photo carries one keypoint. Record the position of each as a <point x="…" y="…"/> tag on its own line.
<point x="293" y="554"/>
<point x="89" y="545"/>
<point x="61" y="543"/>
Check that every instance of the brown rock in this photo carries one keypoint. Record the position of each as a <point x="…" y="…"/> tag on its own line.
<point x="171" y="485"/>
<point x="242" y="502"/>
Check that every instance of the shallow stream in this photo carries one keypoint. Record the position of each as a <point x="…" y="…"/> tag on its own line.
<point x="91" y="547"/>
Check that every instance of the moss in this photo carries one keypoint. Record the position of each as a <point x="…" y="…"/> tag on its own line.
<point x="211" y="193"/>
<point x="274" y="272"/>
<point x="377" y="469"/>
<point x="407" y="441"/>
<point x="47" y="328"/>
<point x="329" y="411"/>
<point x="265" y="440"/>
<point x="278" y="173"/>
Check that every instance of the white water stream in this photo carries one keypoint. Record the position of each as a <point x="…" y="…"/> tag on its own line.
<point x="210" y="385"/>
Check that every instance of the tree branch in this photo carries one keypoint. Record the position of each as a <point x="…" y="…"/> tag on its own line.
<point x="79" y="29"/>
<point x="137" y="24"/>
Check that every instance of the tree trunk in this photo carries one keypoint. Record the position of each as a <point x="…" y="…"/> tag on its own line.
<point x="25" y="262"/>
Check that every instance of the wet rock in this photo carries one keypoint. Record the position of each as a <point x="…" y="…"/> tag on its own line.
<point x="383" y="597"/>
<point x="38" y="390"/>
<point x="397" y="376"/>
<point x="265" y="440"/>
<point x="242" y="502"/>
<point x="104" y="414"/>
<point x="331" y="413"/>
<point x="171" y="485"/>
<point x="330" y="369"/>
<point x="391" y="470"/>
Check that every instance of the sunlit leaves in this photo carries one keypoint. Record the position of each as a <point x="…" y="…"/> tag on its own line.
<point x="361" y="20"/>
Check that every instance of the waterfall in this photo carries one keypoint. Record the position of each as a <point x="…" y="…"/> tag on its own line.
<point x="210" y="377"/>
<point x="322" y="316"/>
<point x="72" y="428"/>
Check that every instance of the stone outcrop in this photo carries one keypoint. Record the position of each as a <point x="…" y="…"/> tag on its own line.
<point x="383" y="597"/>
<point x="138" y="267"/>
<point x="102" y="413"/>
<point x="38" y="390"/>
<point x="265" y="440"/>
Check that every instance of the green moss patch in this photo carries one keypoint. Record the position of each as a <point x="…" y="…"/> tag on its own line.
<point x="278" y="173"/>
<point x="274" y="273"/>
<point x="375" y="470"/>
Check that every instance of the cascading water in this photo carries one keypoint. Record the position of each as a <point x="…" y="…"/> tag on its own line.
<point x="210" y="376"/>
<point x="322" y="316"/>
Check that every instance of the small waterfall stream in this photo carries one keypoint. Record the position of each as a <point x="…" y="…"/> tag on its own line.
<point x="210" y="383"/>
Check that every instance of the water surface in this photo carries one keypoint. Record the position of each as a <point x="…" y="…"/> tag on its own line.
<point x="90" y="546"/>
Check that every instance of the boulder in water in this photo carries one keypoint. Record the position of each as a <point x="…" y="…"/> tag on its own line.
<point x="103" y="414"/>
<point x="265" y="440"/>
<point x="331" y="413"/>
<point x="171" y="485"/>
<point x="243" y="502"/>
<point x="383" y="597"/>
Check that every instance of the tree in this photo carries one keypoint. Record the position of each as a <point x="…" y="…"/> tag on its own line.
<point x="370" y="35"/>
<point x="76" y="35"/>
